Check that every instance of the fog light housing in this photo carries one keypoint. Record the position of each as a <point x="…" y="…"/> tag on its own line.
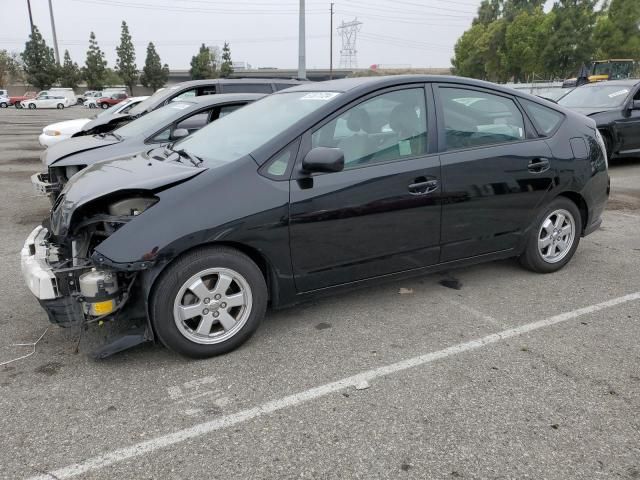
<point x="101" y="308"/>
<point x="52" y="133"/>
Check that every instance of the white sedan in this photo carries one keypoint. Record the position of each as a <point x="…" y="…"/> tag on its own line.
<point x="46" y="101"/>
<point x="57" y="132"/>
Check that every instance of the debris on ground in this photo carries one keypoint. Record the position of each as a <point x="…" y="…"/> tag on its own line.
<point x="363" y="385"/>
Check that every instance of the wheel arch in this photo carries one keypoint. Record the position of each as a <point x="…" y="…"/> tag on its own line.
<point x="580" y="202"/>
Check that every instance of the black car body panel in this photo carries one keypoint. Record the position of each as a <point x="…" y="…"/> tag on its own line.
<point x="619" y="125"/>
<point x="312" y="233"/>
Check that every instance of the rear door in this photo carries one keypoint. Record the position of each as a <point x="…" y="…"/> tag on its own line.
<point x="496" y="171"/>
<point x="381" y="214"/>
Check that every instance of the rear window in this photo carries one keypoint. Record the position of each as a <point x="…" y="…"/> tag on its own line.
<point x="546" y="119"/>
<point x="246" y="88"/>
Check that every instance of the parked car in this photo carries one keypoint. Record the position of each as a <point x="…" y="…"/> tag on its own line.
<point x="57" y="132"/>
<point x="197" y="88"/>
<point x="168" y="124"/>
<point x="46" y="101"/>
<point x="111" y="100"/>
<point x="4" y="101"/>
<point x="314" y="189"/>
<point x="83" y="97"/>
<point x="114" y="117"/>
<point x="4" y="93"/>
<point x="615" y="107"/>
<point x="17" y="100"/>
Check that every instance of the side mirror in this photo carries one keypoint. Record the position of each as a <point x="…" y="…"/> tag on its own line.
<point x="179" y="133"/>
<point x="323" y="159"/>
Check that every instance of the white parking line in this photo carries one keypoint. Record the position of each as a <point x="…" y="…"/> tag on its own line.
<point x="157" y="443"/>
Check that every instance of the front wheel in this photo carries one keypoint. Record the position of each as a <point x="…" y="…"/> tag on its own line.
<point x="18" y="105"/>
<point x="208" y="302"/>
<point x="105" y="106"/>
<point x="60" y="106"/>
<point x="79" y="101"/>
<point x="91" y="105"/>
<point x="554" y="237"/>
<point x="32" y="106"/>
<point x="3" y="105"/>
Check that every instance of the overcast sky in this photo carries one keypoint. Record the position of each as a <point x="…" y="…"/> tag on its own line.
<point x="420" y="33"/>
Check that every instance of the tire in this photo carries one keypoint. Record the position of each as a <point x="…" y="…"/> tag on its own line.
<point x="18" y="105"/>
<point x="60" y="106"/>
<point x="105" y="106"/>
<point x="553" y="257"/>
<point x="32" y="106"/>
<point x="4" y="105"/>
<point x="79" y="101"/>
<point x="208" y="269"/>
<point x="91" y="105"/>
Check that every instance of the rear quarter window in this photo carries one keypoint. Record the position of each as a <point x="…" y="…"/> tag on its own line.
<point x="545" y="119"/>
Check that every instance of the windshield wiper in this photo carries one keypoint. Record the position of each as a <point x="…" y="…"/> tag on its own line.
<point x="194" y="159"/>
<point x="114" y="135"/>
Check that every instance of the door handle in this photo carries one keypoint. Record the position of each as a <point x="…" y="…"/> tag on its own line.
<point x="539" y="165"/>
<point x="423" y="186"/>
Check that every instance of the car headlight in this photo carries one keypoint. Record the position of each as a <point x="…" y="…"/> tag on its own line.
<point x="52" y="133"/>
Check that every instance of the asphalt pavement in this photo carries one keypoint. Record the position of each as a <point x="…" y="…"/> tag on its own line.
<point x="487" y="372"/>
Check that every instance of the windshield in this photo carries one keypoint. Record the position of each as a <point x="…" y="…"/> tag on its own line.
<point x="142" y="106"/>
<point x="246" y="129"/>
<point x="153" y="121"/>
<point x="600" y="96"/>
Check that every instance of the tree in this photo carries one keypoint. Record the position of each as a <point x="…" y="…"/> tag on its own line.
<point x="40" y="67"/>
<point x="570" y="38"/>
<point x="111" y="78"/>
<point x="202" y="64"/>
<point x="11" y="68"/>
<point x="469" y="59"/>
<point x="488" y="12"/>
<point x="126" y="61"/>
<point x="226" y="68"/>
<point x="95" y="65"/>
<point x="524" y="42"/>
<point x="154" y="74"/>
<point x="617" y="34"/>
<point x="70" y="74"/>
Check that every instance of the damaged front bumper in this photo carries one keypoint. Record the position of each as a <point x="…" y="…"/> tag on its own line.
<point x="41" y="184"/>
<point x="77" y="294"/>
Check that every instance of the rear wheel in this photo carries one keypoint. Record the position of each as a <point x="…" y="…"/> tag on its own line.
<point x="608" y="144"/>
<point x="60" y="106"/>
<point x="79" y="101"/>
<point x="18" y="105"/>
<point x="209" y="302"/>
<point x="4" y="104"/>
<point x="554" y="237"/>
<point x="105" y="106"/>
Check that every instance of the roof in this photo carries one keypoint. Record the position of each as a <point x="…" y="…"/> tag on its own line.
<point x="222" y="98"/>
<point x="627" y="82"/>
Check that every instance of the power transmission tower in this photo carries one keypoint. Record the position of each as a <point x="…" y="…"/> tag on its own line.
<point x="348" y="52"/>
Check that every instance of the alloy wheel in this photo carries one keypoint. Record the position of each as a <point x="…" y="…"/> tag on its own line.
<point x="212" y="306"/>
<point x="556" y="236"/>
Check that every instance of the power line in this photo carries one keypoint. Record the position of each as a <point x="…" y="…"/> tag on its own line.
<point x="410" y="21"/>
<point x="369" y="5"/>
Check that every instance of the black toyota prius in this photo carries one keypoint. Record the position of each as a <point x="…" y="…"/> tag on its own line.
<point x="317" y="188"/>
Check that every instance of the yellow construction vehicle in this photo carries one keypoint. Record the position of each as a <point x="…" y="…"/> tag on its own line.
<point x="599" y="70"/>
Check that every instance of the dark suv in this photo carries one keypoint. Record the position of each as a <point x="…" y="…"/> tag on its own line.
<point x="193" y="88"/>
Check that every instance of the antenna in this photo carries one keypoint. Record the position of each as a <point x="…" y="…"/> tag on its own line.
<point x="348" y="52"/>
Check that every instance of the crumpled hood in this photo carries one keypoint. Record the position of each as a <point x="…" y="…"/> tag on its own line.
<point x="116" y="118"/>
<point x="72" y="146"/>
<point x="137" y="172"/>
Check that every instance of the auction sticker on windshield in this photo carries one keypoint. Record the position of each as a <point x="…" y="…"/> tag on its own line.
<point x="320" y="96"/>
<point x="618" y="93"/>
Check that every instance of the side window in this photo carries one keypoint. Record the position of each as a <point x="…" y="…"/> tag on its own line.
<point x="194" y="122"/>
<point x="279" y="166"/>
<point x="227" y="109"/>
<point x="473" y="118"/>
<point x="545" y="119"/>
<point x="389" y="127"/>
<point x="247" y="88"/>
<point x="128" y="107"/>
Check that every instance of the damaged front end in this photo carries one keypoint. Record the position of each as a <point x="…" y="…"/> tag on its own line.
<point x="70" y="286"/>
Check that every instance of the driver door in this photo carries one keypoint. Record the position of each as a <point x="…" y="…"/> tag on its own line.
<point x="381" y="214"/>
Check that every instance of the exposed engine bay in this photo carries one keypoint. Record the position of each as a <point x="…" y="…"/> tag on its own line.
<point x="70" y="286"/>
